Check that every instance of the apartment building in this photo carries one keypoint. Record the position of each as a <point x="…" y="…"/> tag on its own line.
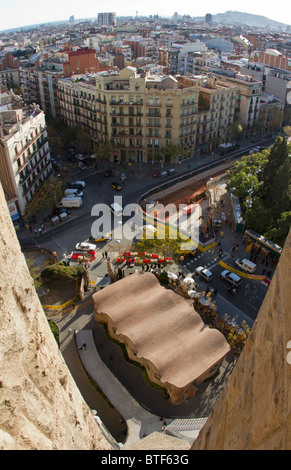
<point x="142" y="114"/>
<point x="216" y="111"/>
<point x="24" y="153"/>
<point x="248" y="95"/>
<point x="43" y="90"/>
<point x="106" y="19"/>
<point x="142" y="47"/>
<point x="271" y="112"/>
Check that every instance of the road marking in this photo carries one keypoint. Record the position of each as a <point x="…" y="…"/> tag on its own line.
<point x="215" y="264"/>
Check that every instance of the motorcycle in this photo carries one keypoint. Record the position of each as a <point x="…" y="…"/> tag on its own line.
<point x="232" y="290"/>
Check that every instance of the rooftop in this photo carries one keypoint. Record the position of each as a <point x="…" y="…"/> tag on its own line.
<point x="163" y="327"/>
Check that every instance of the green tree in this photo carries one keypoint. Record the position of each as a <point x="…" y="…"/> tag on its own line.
<point x="171" y="152"/>
<point x="83" y="139"/>
<point x="104" y="150"/>
<point x="257" y="216"/>
<point x="247" y="175"/>
<point x="277" y="156"/>
<point x="48" y="197"/>
<point x="275" y="118"/>
<point x="279" y="232"/>
<point x="59" y="271"/>
<point x="166" y="242"/>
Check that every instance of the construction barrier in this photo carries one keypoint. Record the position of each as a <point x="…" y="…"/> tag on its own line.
<point x="256" y="277"/>
<point x="61" y="307"/>
<point x="205" y="248"/>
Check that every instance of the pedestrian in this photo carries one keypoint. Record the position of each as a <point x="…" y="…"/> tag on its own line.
<point x="215" y="292"/>
<point x="84" y="345"/>
<point x="111" y="357"/>
<point x="103" y="254"/>
<point x="106" y="254"/>
<point x="70" y="331"/>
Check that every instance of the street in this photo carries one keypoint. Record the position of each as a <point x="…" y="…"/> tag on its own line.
<point x="63" y="238"/>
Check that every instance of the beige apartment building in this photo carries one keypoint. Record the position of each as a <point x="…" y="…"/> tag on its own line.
<point x="24" y="154"/>
<point x="141" y="115"/>
<point x="248" y="95"/>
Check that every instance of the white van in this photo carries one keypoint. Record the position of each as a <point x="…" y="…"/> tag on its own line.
<point x="116" y="209"/>
<point x="71" y="202"/>
<point x="246" y="265"/>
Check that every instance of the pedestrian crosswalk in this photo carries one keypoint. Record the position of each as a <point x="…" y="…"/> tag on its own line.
<point x="194" y="424"/>
<point x="208" y="260"/>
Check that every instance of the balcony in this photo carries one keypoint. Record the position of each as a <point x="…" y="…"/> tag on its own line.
<point x="38" y="175"/>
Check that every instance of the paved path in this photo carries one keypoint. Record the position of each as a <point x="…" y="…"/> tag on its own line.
<point x="139" y="421"/>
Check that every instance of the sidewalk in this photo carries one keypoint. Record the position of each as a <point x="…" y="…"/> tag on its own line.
<point x="139" y="421"/>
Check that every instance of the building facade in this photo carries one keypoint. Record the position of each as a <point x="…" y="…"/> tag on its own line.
<point x="141" y="115"/>
<point x="24" y="154"/>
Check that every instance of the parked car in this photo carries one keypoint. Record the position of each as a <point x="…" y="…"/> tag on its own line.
<point x="60" y="210"/>
<point x="100" y="238"/>
<point x="72" y="151"/>
<point x="107" y="172"/>
<point x="71" y="159"/>
<point x="82" y="166"/>
<point x="81" y="183"/>
<point x="231" y="278"/>
<point x="79" y="156"/>
<point x="204" y="273"/>
<point x="246" y="265"/>
<point x="155" y="173"/>
<point x="255" y="150"/>
<point x="56" y="161"/>
<point x="74" y="191"/>
<point x="76" y="194"/>
<point x="77" y="187"/>
<point x="116" y="186"/>
<point x="123" y="177"/>
<point x="71" y="202"/>
<point x="85" y="246"/>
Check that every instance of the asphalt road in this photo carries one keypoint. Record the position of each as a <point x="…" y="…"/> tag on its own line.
<point x="64" y="237"/>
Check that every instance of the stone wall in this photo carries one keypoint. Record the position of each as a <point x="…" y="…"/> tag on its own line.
<point x="254" y="410"/>
<point x="40" y="405"/>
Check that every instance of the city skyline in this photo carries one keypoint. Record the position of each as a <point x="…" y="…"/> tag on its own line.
<point x="16" y="14"/>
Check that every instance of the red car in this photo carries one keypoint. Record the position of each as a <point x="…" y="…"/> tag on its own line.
<point x="155" y="173"/>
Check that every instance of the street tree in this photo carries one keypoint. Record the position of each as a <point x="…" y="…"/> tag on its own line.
<point x="279" y="232"/>
<point x="277" y="156"/>
<point x="166" y="242"/>
<point x="257" y="216"/>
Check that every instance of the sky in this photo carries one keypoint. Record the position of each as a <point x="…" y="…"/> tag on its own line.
<point x="17" y="13"/>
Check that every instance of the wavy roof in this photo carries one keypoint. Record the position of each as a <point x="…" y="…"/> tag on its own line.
<point x="163" y="327"/>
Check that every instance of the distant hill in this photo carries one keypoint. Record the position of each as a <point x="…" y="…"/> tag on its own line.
<point x="238" y="17"/>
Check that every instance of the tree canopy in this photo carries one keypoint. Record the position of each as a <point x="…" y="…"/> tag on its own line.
<point x="261" y="181"/>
